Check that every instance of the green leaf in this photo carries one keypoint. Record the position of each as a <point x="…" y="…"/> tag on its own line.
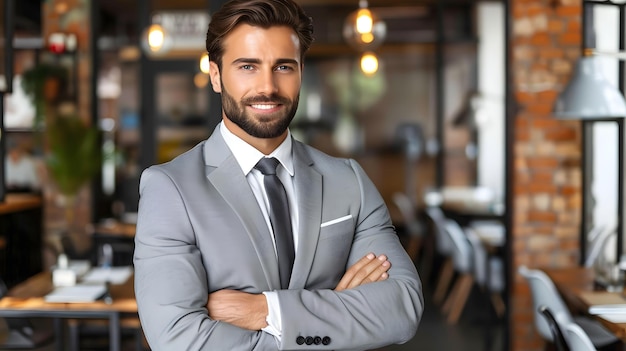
<point x="74" y="155"/>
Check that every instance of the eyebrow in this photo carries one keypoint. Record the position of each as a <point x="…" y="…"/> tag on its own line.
<point x="257" y="61"/>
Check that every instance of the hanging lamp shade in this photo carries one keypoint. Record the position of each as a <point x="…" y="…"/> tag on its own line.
<point x="589" y="95"/>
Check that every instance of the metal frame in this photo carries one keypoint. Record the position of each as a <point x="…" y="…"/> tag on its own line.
<point x="588" y="41"/>
<point x="509" y="166"/>
<point x="96" y="188"/>
<point x="9" y="24"/>
<point x="9" y="17"/>
<point x="440" y="170"/>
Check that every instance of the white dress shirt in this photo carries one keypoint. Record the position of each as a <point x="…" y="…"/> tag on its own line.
<point x="247" y="157"/>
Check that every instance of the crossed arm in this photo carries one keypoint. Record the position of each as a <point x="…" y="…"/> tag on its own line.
<point x="249" y="311"/>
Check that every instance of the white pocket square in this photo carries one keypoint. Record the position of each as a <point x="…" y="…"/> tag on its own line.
<point x="337" y="220"/>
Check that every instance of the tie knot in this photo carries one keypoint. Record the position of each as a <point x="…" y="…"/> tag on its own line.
<point x="267" y="165"/>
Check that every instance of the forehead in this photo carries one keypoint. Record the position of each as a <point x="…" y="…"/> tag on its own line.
<point x="257" y="42"/>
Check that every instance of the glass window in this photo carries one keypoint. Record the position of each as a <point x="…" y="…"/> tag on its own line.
<point x="603" y="160"/>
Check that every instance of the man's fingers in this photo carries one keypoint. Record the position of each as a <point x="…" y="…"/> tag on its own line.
<point x="366" y="270"/>
<point x="371" y="272"/>
<point x="352" y="271"/>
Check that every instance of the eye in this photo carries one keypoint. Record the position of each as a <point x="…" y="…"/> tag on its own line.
<point x="284" y="68"/>
<point x="246" y="67"/>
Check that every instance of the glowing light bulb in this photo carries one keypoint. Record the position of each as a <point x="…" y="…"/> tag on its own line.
<point x="155" y="40"/>
<point x="369" y="63"/>
<point x="204" y="63"/>
<point x="363" y="29"/>
<point x="367" y="38"/>
<point x="364" y="21"/>
<point x="156" y="37"/>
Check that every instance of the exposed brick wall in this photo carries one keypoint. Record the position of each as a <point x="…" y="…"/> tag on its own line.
<point x="545" y="43"/>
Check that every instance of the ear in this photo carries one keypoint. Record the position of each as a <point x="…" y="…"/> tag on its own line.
<point x="214" y="74"/>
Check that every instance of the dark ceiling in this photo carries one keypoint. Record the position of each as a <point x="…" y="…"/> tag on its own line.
<point x="119" y="17"/>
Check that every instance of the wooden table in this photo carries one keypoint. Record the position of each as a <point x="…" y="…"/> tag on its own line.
<point x="27" y="300"/>
<point x="19" y="202"/>
<point x="116" y="228"/>
<point x="575" y="285"/>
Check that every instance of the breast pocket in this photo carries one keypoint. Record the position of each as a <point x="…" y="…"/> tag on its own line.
<point x="333" y="248"/>
<point x="337" y="227"/>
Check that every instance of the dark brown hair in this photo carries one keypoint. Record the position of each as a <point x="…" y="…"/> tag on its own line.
<point x="259" y="13"/>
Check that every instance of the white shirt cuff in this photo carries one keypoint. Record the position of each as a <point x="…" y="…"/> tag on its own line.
<point x="274" y="323"/>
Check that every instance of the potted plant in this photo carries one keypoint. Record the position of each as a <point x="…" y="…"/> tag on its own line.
<point x="70" y="147"/>
<point x="72" y="154"/>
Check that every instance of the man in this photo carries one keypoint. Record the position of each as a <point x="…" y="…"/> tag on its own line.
<point x="210" y="259"/>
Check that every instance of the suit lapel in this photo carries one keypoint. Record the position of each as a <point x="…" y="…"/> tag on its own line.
<point x="308" y="187"/>
<point x="224" y="173"/>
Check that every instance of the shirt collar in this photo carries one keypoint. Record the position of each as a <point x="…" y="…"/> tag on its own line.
<point x="247" y="156"/>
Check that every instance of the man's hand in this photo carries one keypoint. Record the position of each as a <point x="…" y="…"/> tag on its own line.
<point x="244" y="310"/>
<point x="369" y="269"/>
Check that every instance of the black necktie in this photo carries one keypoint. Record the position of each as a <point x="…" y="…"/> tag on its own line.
<point x="279" y="217"/>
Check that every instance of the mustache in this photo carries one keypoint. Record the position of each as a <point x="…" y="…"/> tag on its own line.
<point x="260" y="99"/>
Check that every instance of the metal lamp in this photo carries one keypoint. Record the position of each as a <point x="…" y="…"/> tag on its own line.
<point x="589" y="95"/>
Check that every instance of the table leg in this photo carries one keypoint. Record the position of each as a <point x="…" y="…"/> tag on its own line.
<point x="115" y="338"/>
<point x="74" y="335"/>
<point x="59" y="334"/>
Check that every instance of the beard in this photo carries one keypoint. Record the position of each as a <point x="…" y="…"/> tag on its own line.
<point x="269" y="125"/>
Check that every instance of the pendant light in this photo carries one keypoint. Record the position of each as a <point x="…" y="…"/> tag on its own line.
<point x="363" y="30"/>
<point x="155" y="40"/>
<point x="369" y="63"/>
<point x="589" y="95"/>
<point x="204" y="63"/>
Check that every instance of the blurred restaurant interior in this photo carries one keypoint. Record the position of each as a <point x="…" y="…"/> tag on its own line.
<point x="500" y="118"/>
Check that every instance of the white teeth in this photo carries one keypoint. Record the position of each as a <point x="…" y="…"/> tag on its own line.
<point x="263" y="107"/>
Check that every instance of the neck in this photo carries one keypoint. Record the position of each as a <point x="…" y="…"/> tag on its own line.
<point x="264" y="145"/>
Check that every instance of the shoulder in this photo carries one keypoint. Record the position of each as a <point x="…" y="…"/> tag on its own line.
<point x="181" y="167"/>
<point x="190" y="158"/>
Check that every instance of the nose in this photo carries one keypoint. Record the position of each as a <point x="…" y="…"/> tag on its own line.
<point x="266" y="83"/>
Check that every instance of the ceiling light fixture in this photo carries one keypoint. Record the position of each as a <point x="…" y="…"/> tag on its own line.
<point x="155" y="40"/>
<point x="364" y="30"/>
<point x="589" y="95"/>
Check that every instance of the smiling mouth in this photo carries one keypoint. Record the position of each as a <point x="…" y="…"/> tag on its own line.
<point x="264" y="106"/>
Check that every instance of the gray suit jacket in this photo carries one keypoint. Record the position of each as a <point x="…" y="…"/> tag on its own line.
<point x="200" y="230"/>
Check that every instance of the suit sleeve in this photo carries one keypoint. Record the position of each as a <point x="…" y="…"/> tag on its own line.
<point x="170" y="279"/>
<point x="369" y="316"/>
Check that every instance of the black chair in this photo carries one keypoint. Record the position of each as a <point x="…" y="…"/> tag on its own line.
<point x="24" y="333"/>
<point x="557" y="334"/>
